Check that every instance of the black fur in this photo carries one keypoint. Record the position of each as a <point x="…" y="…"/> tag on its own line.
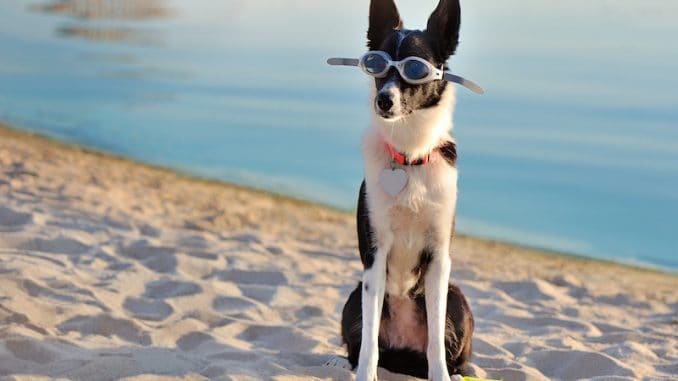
<point x="435" y="44"/>
<point x="384" y="19"/>
<point x="425" y="258"/>
<point x="366" y="245"/>
<point x="458" y="334"/>
<point x="443" y="28"/>
<point x="449" y="152"/>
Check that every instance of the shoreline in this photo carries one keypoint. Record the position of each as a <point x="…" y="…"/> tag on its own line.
<point x="19" y="133"/>
<point x="10" y="130"/>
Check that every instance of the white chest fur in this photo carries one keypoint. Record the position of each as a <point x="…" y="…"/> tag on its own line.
<point x="418" y="216"/>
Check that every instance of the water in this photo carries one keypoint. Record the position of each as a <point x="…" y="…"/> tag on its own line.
<point x="574" y="148"/>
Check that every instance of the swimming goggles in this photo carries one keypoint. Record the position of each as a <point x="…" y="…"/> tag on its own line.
<point x="414" y="70"/>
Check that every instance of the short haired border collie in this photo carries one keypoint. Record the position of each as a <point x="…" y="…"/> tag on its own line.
<point x="405" y="316"/>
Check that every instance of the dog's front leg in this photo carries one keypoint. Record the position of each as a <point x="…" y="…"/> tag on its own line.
<point x="436" y="286"/>
<point x="374" y="284"/>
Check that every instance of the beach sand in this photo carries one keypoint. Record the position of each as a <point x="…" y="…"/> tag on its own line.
<point x="111" y="269"/>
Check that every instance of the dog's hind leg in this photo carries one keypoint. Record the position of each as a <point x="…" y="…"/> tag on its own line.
<point x="459" y="331"/>
<point x="351" y="325"/>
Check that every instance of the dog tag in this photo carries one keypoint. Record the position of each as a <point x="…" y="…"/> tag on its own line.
<point x="393" y="180"/>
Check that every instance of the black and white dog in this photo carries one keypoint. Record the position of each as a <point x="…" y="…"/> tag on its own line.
<point x="405" y="315"/>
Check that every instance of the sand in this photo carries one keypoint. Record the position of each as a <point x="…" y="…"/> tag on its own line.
<point x="115" y="270"/>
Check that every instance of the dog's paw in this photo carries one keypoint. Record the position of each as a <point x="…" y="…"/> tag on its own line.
<point x="445" y="378"/>
<point x="456" y="377"/>
<point x="338" y="362"/>
<point x="441" y="375"/>
<point x="366" y="378"/>
<point x="366" y="374"/>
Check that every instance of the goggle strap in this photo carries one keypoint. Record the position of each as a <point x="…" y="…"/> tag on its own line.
<point x="343" y="62"/>
<point x="464" y="82"/>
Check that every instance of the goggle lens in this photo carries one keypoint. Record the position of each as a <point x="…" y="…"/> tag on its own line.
<point x="375" y="63"/>
<point x="415" y="70"/>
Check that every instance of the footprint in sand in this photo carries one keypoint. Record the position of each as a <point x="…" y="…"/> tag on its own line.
<point x="575" y="286"/>
<point x="59" y="245"/>
<point x="545" y="324"/>
<point x="308" y="312"/>
<point x="35" y="290"/>
<point x="193" y="241"/>
<point x="607" y="329"/>
<point x="104" y="325"/>
<point x="193" y="340"/>
<point x="149" y="231"/>
<point x="157" y="258"/>
<point x="11" y="220"/>
<point x="202" y="255"/>
<point x="270" y="278"/>
<point x="621" y="300"/>
<point x="486" y="348"/>
<point x="275" y="250"/>
<point x="260" y="293"/>
<point x="29" y="350"/>
<point x="244" y="238"/>
<point x="535" y="290"/>
<point x="213" y="372"/>
<point x="117" y="223"/>
<point x="167" y="288"/>
<point x="21" y="319"/>
<point x="235" y="355"/>
<point x="81" y="224"/>
<point x="492" y="362"/>
<point x="148" y="309"/>
<point x="515" y="372"/>
<point x="632" y="350"/>
<point x="668" y="368"/>
<point x="282" y="338"/>
<point x="230" y="304"/>
<point x="577" y="365"/>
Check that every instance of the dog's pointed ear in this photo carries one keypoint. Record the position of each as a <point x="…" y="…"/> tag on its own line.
<point x="384" y="19"/>
<point x="443" y="28"/>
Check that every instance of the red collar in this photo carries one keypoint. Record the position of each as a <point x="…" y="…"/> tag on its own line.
<point x="401" y="159"/>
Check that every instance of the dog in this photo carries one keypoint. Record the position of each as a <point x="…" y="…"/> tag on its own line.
<point x="405" y="316"/>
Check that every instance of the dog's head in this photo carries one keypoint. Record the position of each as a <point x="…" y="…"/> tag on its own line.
<point x="394" y="97"/>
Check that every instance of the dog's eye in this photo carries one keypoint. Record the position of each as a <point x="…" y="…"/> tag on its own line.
<point x="375" y="64"/>
<point x="416" y="70"/>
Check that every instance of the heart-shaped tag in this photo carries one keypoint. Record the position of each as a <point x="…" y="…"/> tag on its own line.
<point x="393" y="180"/>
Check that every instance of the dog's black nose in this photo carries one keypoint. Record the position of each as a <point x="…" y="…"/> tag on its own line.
<point x="384" y="102"/>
